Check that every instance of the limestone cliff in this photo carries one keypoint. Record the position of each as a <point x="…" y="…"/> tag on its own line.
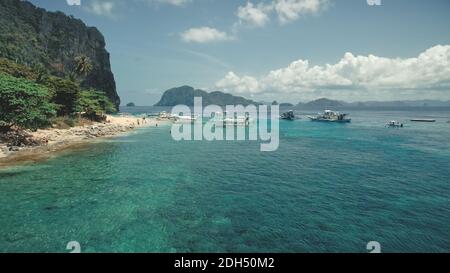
<point x="185" y="95"/>
<point x="34" y="36"/>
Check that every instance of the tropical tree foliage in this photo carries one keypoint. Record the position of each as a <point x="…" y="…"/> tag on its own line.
<point x="31" y="98"/>
<point x="24" y="103"/>
<point x="95" y="103"/>
<point x="16" y="70"/>
<point x="65" y="94"/>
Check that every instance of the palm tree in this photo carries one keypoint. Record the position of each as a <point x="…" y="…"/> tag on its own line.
<point x="83" y="65"/>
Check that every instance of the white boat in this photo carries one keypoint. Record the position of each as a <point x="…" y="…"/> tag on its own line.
<point x="184" y="119"/>
<point x="331" y="116"/>
<point x="394" y="124"/>
<point x="232" y="121"/>
<point x="164" y="115"/>
<point x="237" y="121"/>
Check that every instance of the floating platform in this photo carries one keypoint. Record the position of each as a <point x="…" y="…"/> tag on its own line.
<point x="423" y="120"/>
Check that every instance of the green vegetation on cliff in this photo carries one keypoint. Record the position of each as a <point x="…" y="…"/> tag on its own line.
<point x="24" y="103"/>
<point x="93" y="102"/>
<point x="56" y="44"/>
<point x="65" y="94"/>
<point x="30" y="98"/>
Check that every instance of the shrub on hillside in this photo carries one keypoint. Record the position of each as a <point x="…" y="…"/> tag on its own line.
<point x="16" y="70"/>
<point x="94" y="104"/>
<point x="24" y="103"/>
<point x="65" y="94"/>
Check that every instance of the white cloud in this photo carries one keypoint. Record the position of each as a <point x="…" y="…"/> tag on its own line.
<point x="255" y="15"/>
<point x="239" y="84"/>
<point x="204" y="35"/>
<point x="102" y="8"/>
<point x="291" y="10"/>
<point x="286" y="11"/>
<point x="363" y="76"/>
<point x="171" y="2"/>
<point x="106" y="8"/>
<point x="73" y="2"/>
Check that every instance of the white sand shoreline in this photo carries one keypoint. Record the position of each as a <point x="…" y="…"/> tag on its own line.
<point x="60" y="139"/>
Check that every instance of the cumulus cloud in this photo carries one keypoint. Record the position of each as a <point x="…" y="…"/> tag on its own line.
<point x="204" y="35"/>
<point x="102" y="8"/>
<point x="171" y="2"/>
<point x="286" y="11"/>
<point x="255" y="15"/>
<point x="239" y="84"/>
<point x="291" y="10"/>
<point x="365" y="76"/>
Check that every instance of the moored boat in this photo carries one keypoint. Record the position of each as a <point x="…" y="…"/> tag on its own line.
<point x="184" y="119"/>
<point x="331" y="116"/>
<point x="288" y="115"/>
<point x="164" y="115"/>
<point x="235" y="120"/>
<point x="394" y="124"/>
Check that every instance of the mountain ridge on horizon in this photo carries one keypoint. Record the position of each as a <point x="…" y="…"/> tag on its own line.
<point x="185" y="94"/>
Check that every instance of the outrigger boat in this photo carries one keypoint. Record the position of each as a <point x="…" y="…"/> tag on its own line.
<point x="331" y="116"/>
<point x="232" y="121"/>
<point x="164" y="116"/>
<point x="237" y="121"/>
<point x="184" y="119"/>
<point x="288" y="115"/>
<point x="394" y="124"/>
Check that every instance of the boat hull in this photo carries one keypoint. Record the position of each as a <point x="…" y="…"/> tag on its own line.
<point x="331" y="120"/>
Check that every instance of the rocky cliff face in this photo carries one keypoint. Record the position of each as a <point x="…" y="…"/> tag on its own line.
<point x="33" y="36"/>
<point x="185" y="95"/>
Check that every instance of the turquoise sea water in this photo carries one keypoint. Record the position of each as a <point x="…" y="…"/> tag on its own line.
<point x="329" y="188"/>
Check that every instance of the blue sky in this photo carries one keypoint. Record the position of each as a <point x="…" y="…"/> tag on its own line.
<point x="289" y="50"/>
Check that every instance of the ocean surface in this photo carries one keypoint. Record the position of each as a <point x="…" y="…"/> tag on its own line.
<point x="328" y="188"/>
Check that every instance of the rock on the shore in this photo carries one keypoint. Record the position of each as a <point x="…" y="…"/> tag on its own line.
<point x="18" y="138"/>
<point x="24" y="140"/>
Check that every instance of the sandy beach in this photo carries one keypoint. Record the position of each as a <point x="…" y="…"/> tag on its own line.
<point x="61" y="139"/>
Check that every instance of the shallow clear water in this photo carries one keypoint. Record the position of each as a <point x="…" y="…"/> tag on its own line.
<point x="329" y="188"/>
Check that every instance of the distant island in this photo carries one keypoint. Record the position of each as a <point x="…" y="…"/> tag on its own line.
<point x="185" y="95"/>
<point x="328" y="103"/>
<point x="285" y="104"/>
<point x="323" y="102"/>
<point x="131" y="104"/>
